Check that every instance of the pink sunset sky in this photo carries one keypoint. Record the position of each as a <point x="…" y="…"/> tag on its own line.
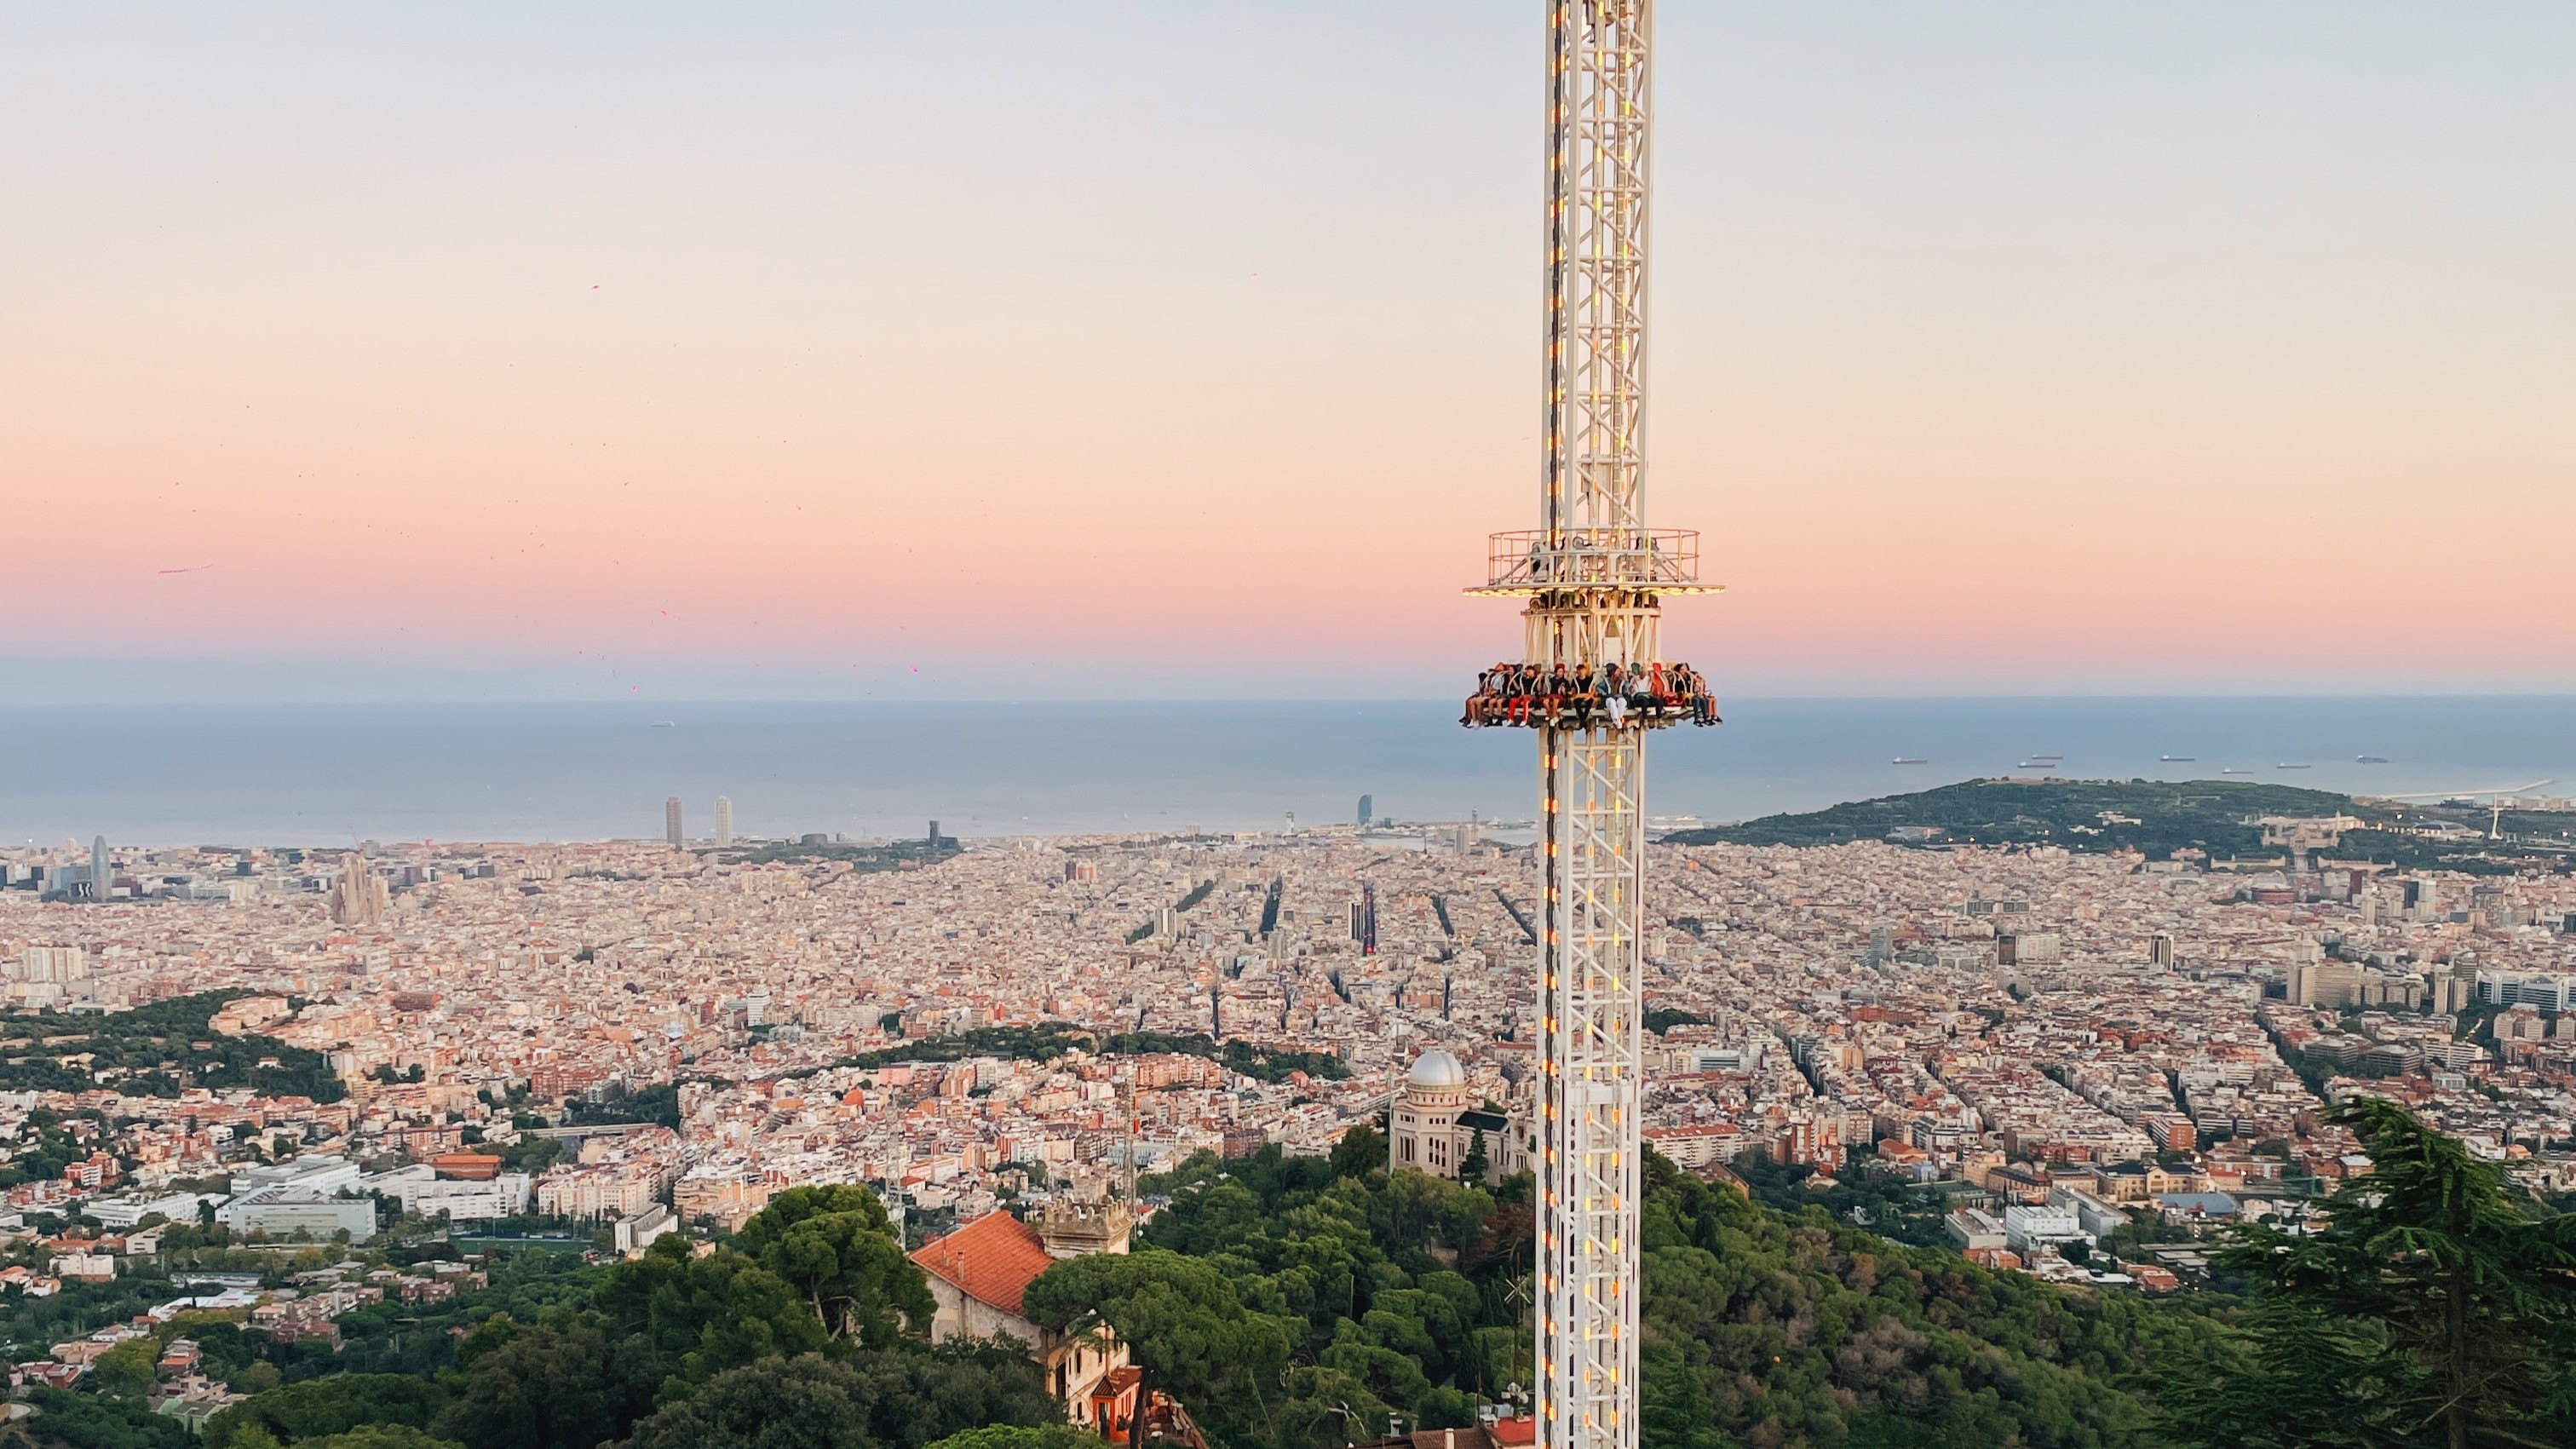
<point x="1187" y="349"/>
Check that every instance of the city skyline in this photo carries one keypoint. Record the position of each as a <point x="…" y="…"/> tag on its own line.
<point x="992" y="471"/>
<point x="2017" y="352"/>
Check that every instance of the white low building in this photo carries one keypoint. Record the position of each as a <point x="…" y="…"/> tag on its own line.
<point x="635" y="1234"/>
<point x="127" y="1212"/>
<point x="300" y="1196"/>
<point x="2026" y="1227"/>
<point x="2097" y="1219"/>
<point x="1974" y="1228"/>
<point x="284" y="1212"/>
<point x="423" y="1191"/>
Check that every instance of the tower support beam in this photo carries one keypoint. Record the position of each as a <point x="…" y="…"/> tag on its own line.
<point x="1592" y="682"/>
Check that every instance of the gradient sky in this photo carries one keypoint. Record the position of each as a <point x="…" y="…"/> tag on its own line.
<point x="1189" y="348"/>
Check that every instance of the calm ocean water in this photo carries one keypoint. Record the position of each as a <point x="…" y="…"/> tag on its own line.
<point x="321" y="774"/>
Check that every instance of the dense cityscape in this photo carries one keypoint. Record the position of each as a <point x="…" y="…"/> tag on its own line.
<point x="2061" y="1044"/>
<point x="1065" y="420"/>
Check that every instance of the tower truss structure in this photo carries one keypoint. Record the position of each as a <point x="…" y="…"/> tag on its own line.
<point x="1592" y="682"/>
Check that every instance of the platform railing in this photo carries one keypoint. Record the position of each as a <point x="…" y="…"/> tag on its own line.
<point x="1577" y="558"/>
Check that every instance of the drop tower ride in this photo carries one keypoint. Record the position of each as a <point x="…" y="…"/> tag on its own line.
<point x="1592" y="682"/>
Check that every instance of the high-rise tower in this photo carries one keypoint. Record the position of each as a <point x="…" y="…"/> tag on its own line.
<point x="724" y="821"/>
<point x="1592" y="681"/>
<point x="671" y="822"/>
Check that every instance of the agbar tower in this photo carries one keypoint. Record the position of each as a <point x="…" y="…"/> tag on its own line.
<point x="1592" y="682"/>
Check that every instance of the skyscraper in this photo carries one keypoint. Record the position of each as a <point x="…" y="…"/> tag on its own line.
<point x="671" y="821"/>
<point x="101" y="875"/>
<point x="1367" y="808"/>
<point x="724" y="821"/>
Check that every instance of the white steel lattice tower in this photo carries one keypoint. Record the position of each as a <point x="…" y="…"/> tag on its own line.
<point x="1592" y="682"/>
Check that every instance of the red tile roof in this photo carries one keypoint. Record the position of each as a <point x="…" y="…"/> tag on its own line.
<point x="992" y="1259"/>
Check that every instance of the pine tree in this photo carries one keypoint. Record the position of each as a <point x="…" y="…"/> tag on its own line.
<point x="2430" y="1309"/>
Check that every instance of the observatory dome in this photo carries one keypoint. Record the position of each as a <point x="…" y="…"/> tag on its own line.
<point x="1437" y="1071"/>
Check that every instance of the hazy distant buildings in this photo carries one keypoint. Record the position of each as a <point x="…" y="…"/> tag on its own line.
<point x="49" y="975"/>
<point x="2025" y="948"/>
<point x="359" y="896"/>
<point x="724" y="821"/>
<point x="671" y="821"/>
<point x="91" y="880"/>
<point x="57" y="964"/>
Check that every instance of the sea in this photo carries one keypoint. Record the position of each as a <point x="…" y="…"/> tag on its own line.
<point x="325" y="775"/>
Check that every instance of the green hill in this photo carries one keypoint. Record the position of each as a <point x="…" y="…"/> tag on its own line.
<point x="2160" y="817"/>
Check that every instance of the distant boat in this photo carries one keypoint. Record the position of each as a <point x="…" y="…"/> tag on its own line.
<point x="2048" y="757"/>
<point x="2368" y="760"/>
<point x="2037" y="764"/>
<point x="2179" y="759"/>
<point x="2285" y="765"/>
<point x="666" y="724"/>
<point x="2236" y="769"/>
<point x="1908" y="760"/>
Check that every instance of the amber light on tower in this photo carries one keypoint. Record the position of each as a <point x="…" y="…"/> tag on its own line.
<point x="1592" y="680"/>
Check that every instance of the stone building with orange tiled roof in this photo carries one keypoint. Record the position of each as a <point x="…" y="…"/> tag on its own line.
<point x="979" y="1274"/>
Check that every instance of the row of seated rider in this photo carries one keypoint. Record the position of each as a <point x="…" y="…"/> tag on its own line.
<point x="1511" y="693"/>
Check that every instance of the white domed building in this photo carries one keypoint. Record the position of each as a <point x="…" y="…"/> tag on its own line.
<point x="1435" y="1123"/>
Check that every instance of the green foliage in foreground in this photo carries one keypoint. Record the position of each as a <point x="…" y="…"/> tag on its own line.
<point x="1408" y="1295"/>
<point x="296" y="1412"/>
<point x="1014" y="1436"/>
<point x="379" y="1436"/>
<point x="1295" y="1303"/>
<point x="96" y="1421"/>
<point x="1795" y="1331"/>
<point x="1185" y="1327"/>
<point x="646" y="1339"/>
<point x="835" y="1248"/>
<point x="868" y="1400"/>
<point x="2432" y="1309"/>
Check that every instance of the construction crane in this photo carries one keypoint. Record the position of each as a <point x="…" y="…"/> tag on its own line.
<point x="1592" y="681"/>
